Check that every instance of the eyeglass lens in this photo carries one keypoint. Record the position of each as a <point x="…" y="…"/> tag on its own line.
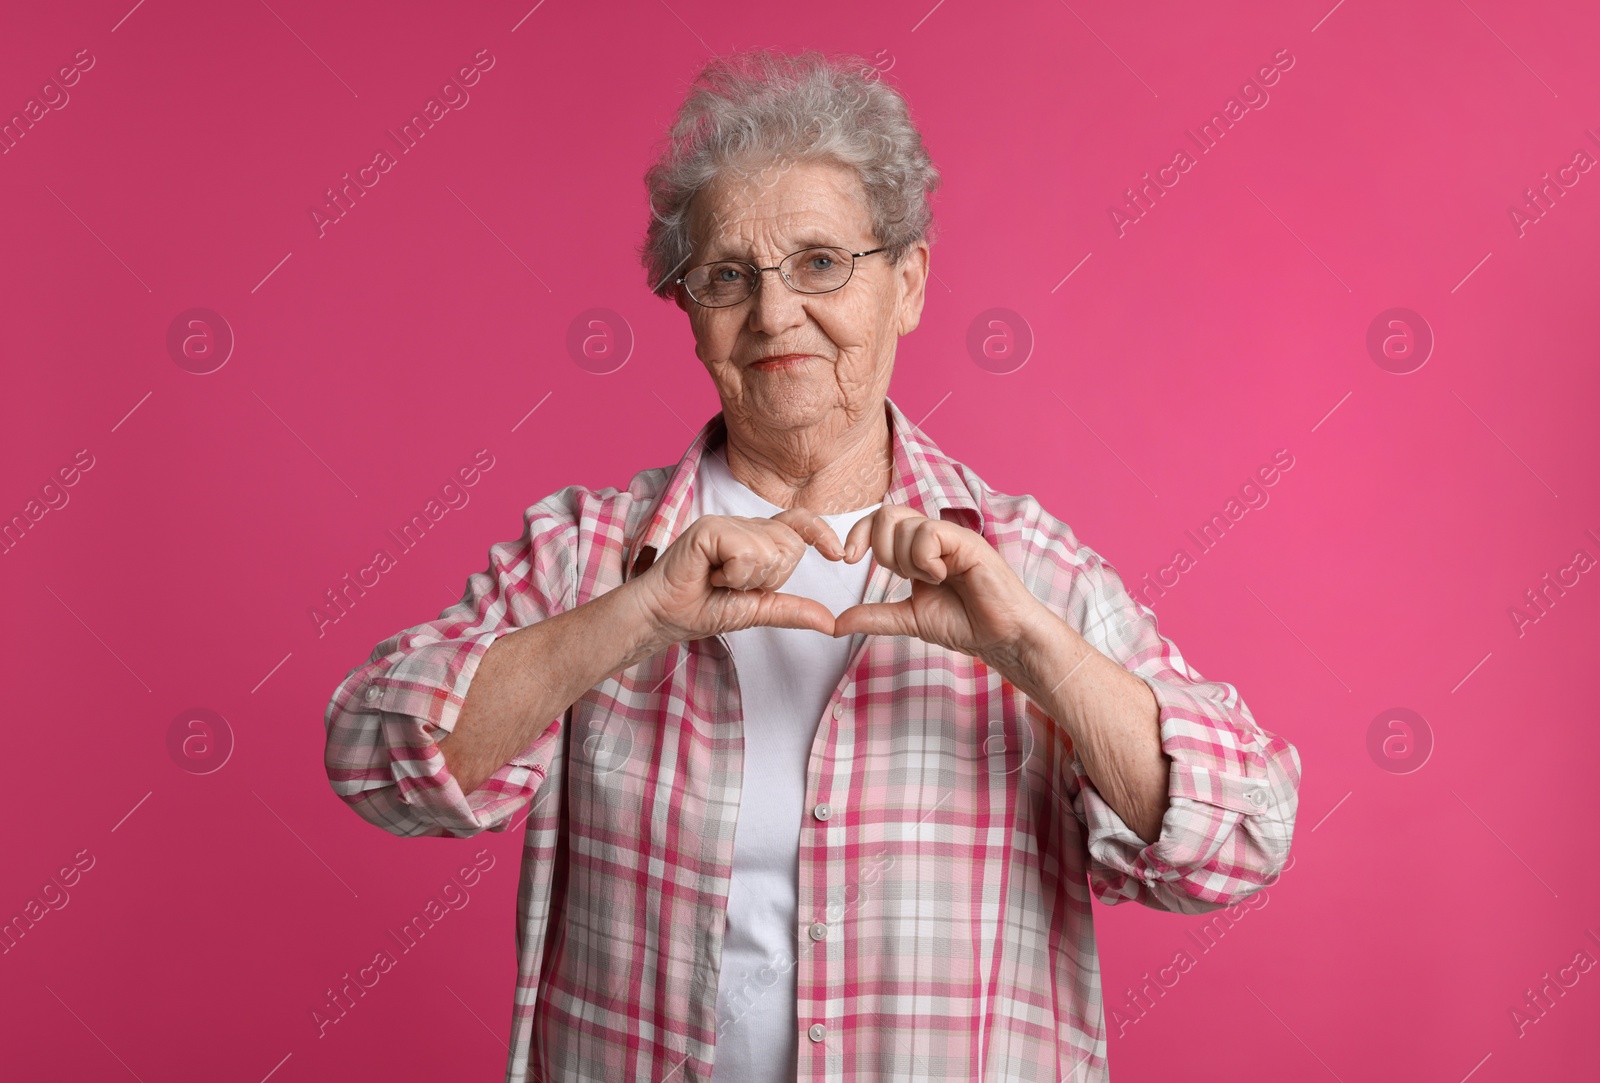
<point x="727" y="282"/>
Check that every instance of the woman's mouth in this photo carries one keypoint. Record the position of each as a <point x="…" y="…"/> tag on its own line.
<point x="780" y="361"/>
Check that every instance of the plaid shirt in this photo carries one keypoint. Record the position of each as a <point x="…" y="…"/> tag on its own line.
<point x="952" y="840"/>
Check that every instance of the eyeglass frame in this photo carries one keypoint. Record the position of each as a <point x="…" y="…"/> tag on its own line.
<point x="756" y="280"/>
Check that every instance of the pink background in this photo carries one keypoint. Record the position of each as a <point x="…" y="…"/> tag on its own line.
<point x="1230" y="322"/>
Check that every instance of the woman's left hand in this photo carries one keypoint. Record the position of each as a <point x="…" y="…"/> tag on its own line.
<point x="964" y="596"/>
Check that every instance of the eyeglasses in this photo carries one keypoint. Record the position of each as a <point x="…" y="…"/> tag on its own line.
<point x="725" y="282"/>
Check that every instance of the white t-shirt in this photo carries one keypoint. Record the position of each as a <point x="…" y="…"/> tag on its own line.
<point x="786" y="676"/>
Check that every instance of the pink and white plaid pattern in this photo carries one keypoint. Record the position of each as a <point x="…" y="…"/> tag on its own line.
<point x="951" y="844"/>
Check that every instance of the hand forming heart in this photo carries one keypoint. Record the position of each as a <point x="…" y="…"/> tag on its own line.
<point x="964" y="596"/>
<point x="723" y="574"/>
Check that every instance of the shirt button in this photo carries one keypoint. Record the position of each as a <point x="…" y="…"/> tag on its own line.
<point x="1257" y="798"/>
<point x="819" y="931"/>
<point x="822" y="812"/>
<point x="372" y="693"/>
<point x="817" y="1032"/>
<point x="838" y="709"/>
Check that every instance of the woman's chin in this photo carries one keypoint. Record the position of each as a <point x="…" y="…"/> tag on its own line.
<point x="787" y="402"/>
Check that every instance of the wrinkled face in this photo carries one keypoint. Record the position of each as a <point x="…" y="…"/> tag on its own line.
<point x="847" y="337"/>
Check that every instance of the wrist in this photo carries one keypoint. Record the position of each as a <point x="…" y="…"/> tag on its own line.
<point x="641" y="626"/>
<point x="1021" y="655"/>
<point x="1028" y="659"/>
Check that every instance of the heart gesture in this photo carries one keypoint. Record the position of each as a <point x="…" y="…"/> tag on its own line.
<point x="964" y="596"/>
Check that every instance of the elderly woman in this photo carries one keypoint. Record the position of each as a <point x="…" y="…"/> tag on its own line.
<point x="824" y="743"/>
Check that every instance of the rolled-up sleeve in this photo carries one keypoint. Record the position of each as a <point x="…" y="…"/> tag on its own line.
<point x="1233" y="787"/>
<point x="385" y="719"/>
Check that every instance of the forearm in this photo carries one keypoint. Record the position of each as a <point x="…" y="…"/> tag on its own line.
<point x="1110" y="715"/>
<point x="529" y="677"/>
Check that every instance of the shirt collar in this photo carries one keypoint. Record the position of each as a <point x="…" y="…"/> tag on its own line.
<point x="925" y="479"/>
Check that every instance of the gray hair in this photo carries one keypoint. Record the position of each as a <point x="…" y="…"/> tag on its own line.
<point x="757" y="108"/>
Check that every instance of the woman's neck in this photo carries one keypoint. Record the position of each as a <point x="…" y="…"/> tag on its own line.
<point x="827" y="472"/>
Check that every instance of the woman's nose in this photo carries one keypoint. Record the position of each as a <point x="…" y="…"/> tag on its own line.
<point x="774" y="307"/>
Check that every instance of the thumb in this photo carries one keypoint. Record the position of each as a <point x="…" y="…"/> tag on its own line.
<point x="779" y="610"/>
<point x="878" y="618"/>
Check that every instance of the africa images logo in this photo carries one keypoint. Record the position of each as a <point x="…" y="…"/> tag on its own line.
<point x="341" y="199"/>
<point x="1140" y="199"/>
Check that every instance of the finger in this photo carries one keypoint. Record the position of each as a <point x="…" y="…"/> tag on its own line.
<point x="859" y="537"/>
<point x="766" y="567"/>
<point x="909" y="535"/>
<point x="877" y="618"/>
<point x="734" y="549"/>
<point x="754" y="568"/>
<point x="923" y="544"/>
<point x="780" y="610"/>
<point x="754" y="554"/>
<point x="884" y="528"/>
<point x="814" y="529"/>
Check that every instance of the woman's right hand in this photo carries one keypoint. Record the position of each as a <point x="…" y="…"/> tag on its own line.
<point x="723" y="572"/>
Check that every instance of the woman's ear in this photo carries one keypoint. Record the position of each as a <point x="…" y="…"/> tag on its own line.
<point x="911" y="279"/>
